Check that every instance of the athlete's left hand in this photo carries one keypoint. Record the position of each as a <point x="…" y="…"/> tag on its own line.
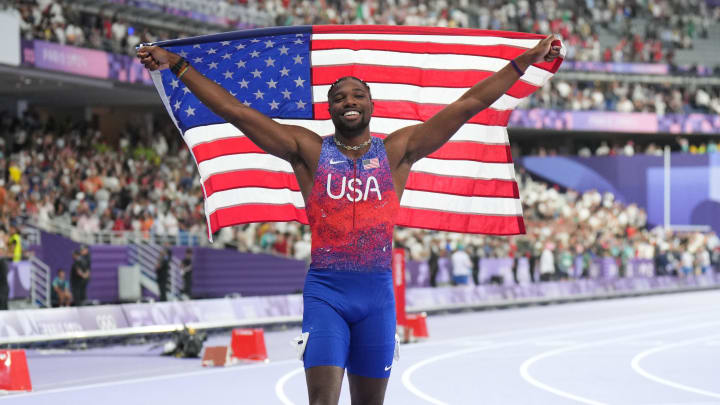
<point x="546" y="50"/>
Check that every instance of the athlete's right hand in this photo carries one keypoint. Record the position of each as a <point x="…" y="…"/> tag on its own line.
<point x="154" y="57"/>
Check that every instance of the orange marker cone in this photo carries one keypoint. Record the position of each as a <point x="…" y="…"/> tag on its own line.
<point x="248" y="344"/>
<point x="14" y="373"/>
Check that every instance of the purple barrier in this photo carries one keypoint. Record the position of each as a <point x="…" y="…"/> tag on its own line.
<point x="53" y="321"/>
<point x="18" y="278"/>
<point x="84" y="62"/>
<point x="426" y="298"/>
<point x="617" y="67"/>
<point x="221" y="272"/>
<point x="610" y="121"/>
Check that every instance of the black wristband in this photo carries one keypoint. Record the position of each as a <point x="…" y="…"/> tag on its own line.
<point x="176" y="67"/>
<point x="517" y="68"/>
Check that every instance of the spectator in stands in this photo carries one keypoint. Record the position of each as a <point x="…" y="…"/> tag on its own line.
<point x="433" y="261"/>
<point x="187" y="272"/>
<point x="162" y="273"/>
<point x="61" y="289"/>
<point x="4" y="285"/>
<point x="547" y="263"/>
<point x="80" y="275"/>
<point x="15" y="243"/>
<point x="461" y="266"/>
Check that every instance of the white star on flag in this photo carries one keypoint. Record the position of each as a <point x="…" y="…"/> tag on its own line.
<point x="272" y="84"/>
<point x="190" y="111"/>
<point x="299" y="82"/>
<point x="258" y="94"/>
<point x="274" y="105"/>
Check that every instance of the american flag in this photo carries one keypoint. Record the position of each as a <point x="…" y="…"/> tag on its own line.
<point x="468" y="185"/>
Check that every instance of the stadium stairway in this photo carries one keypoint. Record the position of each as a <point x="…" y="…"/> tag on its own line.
<point x="105" y="260"/>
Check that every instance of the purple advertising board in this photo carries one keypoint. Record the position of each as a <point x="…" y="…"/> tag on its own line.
<point x="610" y="121"/>
<point x="84" y="62"/>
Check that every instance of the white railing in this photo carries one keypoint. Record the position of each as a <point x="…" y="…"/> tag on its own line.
<point x="40" y="280"/>
<point x="119" y="237"/>
<point x="147" y="256"/>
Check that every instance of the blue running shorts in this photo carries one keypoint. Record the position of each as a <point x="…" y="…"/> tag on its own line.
<point x="350" y="321"/>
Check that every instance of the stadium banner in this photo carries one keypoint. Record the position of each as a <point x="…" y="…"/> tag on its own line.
<point x="468" y="185"/>
<point x="84" y="62"/>
<point x="694" y="179"/>
<point x="10" y="34"/>
<point x="610" y="121"/>
<point x="618" y="67"/>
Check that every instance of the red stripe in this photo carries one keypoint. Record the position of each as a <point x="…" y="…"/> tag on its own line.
<point x="474" y="151"/>
<point x="453" y="222"/>
<point x="416" y="111"/>
<point x="506" y="52"/>
<point x="460" y="150"/>
<point x="413" y="30"/>
<point x="243" y="214"/>
<point x="462" y="186"/>
<point x="250" y="178"/>
<point x="413" y="76"/>
<point x="226" y="146"/>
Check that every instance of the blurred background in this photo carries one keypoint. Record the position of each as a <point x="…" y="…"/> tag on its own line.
<point x="617" y="158"/>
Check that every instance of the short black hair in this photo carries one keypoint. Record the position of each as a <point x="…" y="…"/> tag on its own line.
<point x="334" y="85"/>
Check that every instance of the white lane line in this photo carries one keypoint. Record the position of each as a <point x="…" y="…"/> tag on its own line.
<point x="635" y="363"/>
<point x="525" y="367"/>
<point x="407" y="374"/>
<point x="280" y="386"/>
<point x="160" y="377"/>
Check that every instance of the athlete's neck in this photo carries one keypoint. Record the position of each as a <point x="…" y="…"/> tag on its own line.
<point x="360" y="141"/>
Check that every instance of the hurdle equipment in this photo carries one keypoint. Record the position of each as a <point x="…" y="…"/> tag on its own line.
<point x="248" y="344"/>
<point x="14" y="373"/>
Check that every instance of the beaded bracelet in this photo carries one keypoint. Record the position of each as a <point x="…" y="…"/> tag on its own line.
<point x="183" y="70"/>
<point x="176" y="67"/>
<point x="517" y="68"/>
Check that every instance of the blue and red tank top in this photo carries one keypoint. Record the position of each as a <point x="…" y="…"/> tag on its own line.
<point x="352" y="210"/>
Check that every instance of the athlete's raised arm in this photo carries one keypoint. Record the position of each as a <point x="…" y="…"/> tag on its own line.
<point x="410" y="144"/>
<point x="283" y="141"/>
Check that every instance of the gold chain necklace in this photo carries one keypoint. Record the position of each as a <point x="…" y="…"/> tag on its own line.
<point x="356" y="147"/>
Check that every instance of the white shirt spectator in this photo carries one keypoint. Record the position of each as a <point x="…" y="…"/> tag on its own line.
<point x="461" y="263"/>
<point x="547" y="261"/>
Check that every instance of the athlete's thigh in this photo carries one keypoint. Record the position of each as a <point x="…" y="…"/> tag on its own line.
<point x="372" y="343"/>
<point x="328" y="335"/>
<point x="367" y="390"/>
<point x="324" y="384"/>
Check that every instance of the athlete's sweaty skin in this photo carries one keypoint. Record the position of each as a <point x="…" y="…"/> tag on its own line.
<point x="350" y="107"/>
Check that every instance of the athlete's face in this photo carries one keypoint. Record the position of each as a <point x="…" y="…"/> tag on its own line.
<point x="350" y="107"/>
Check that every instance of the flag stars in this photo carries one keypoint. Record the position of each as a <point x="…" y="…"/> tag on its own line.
<point x="211" y="51"/>
<point x="196" y="46"/>
<point x="190" y="111"/>
<point x="299" y="82"/>
<point x="269" y="44"/>
<point x="254" y="40"/>
<point x="258" y="94"/>
<point x="298" y="42"/>
<point x="240" y="46"/>
<point x="226" y="56"/>
<point x="225" y="43"/>
<point x="300" y="104"/>
<point x="286" y="94"/>
<point x="198" y="60"/>
<point x="269" y="62"/>
<point x="254" y="54"/>
<point x="233" y="93"/>
<point x="298" y="59"/>
<point x="272" y="84"/>
<point x="247" y="103"/>
<point x="284" y="71"/>
<point x="274" y="105"/>
<point x="186" y="90"/>
<point x="177" y="105"/>
<point x="256" y="73"/>
<point x="243" y="83"/>
<point x="240" y="64"/>
<point x="183" y="54"/>
<point x="284" y="50"/>
<point x="174" y="83"/>
<point x="228" y="74"/>
<point x="213" y="65"/>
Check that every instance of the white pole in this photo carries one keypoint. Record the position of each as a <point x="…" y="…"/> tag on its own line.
<point x="667" y="188"/>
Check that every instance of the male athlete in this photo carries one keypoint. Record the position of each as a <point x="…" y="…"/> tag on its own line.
<point x="352" y="184"/>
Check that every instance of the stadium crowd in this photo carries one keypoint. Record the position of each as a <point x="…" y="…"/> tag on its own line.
<point x="643" y="31"/>
<point x="625" y="97"/>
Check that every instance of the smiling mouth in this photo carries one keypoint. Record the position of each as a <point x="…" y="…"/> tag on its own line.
<point x="351" y="114"/>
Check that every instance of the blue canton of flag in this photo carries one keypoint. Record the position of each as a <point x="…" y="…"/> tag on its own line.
<point x="268" y="73"/>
